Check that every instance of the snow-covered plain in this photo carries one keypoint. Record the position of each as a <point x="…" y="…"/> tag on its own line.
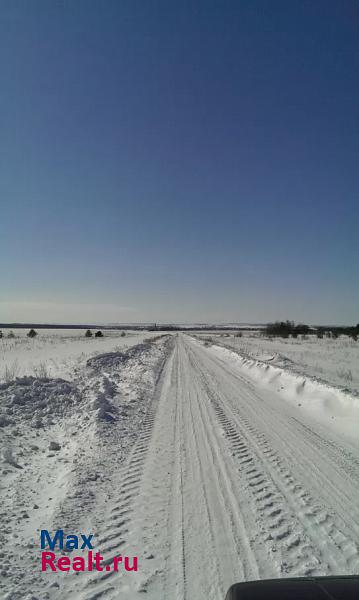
<point x="62" y="442"/>
<point x="334" y="361"/>
<point x="209" y="465"/>
<point x="57" y="352"/>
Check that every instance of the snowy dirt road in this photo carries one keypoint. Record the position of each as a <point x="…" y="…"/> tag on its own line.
<point x="228" y="482"/>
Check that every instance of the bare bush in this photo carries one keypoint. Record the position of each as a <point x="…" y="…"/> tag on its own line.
<point x="11" y="371"/>
<point x="345" y="374"/>
<point x="41" y="371"/>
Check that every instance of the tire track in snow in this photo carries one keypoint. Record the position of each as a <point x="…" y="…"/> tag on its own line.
<point x="268" y="503"/>
<point x="217" y="490"/>
<point x="206" y="544"/>
<point x="202" y="493"/>
<point x="112" y="539"/>
<point x="318" y="524"/>
<point x="180" y="442"/>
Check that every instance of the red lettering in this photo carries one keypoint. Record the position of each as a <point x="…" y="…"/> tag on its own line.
<point x="116" y="560"/>
<point x="134" y="564"/>
<point x="78" y="563"/>
<point x="64" y="563"/>
<point x="98" y="559"/>
<point x="47" y="558"/>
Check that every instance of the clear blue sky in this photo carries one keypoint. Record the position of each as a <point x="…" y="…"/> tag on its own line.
<point x="179" y="161"/>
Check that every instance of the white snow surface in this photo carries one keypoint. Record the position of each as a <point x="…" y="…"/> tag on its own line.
<point x="57" y="352"/>
<point x="333" y="361"/>
<point x="209" y="465"/>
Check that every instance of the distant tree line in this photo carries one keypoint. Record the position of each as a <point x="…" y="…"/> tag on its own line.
<point x="284" y="329"/>
<point x="335" y="332"/>
<point x="156" y="327"/>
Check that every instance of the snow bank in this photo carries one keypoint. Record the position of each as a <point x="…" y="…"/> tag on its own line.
<point x="331" y="361"/>
<point x="327" y="404"/>
<point x="58" y="353"/>
<point x="36" y="400"/>
<point x="61" y="447"/>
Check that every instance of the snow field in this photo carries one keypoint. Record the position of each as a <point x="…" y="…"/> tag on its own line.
<point x="333" y="361"/>
<point x="57" y="352"/>
<point x="210" y="466"/>
<point x="61" y="443"/>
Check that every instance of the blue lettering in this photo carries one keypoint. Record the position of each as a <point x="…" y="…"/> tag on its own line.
<point x="46" y="539"/>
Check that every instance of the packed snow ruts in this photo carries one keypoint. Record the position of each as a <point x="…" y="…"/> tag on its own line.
<point x="61" y="442"/>
<point x="199" y="462"/>
<point x="230" y="489"/>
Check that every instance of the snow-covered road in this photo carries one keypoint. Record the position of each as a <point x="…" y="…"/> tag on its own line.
<point x="228" y="482"/>
<point x="209" y="467"/>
